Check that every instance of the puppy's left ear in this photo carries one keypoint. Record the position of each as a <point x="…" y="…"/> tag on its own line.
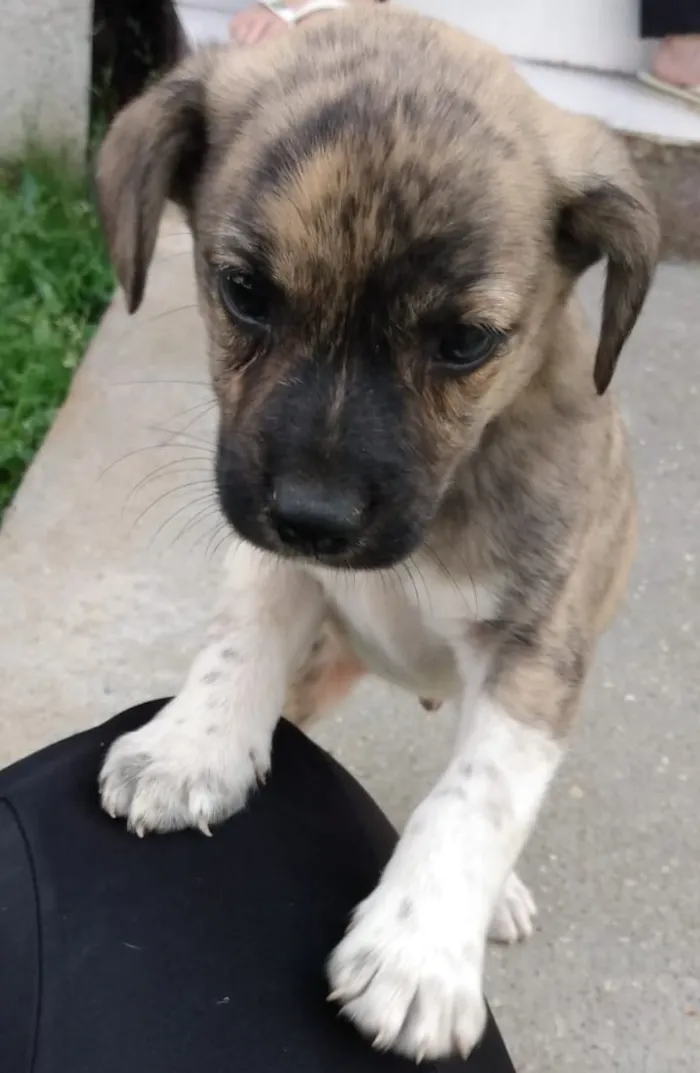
<point x="604" y="211"/>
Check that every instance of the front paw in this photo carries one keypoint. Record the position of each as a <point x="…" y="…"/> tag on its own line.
<point x="408" y="980"/>
<point x="175" y="773"/>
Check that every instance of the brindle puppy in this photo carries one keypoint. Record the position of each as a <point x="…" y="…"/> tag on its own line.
<point x="416" y="449"/>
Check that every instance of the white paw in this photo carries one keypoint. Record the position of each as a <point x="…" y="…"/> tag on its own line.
<point x="514" y="917"/>
<point x="407" y="980"/>
<point x="179" y="772"/>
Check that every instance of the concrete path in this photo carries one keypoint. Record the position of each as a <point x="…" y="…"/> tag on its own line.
<point x="108" y="569"/>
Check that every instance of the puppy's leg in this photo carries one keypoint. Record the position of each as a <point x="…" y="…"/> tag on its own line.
<point x="196" y="762"/>
<point x="409" y="971"/>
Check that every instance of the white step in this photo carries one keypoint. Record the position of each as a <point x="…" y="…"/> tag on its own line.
<point x="620" y="100"/>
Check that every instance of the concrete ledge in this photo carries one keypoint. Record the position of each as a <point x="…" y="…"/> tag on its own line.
<point x="673" y="174"/>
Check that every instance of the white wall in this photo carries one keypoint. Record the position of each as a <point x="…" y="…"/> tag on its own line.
<point x="601" y="34"/>
<point x="45" y="49"/>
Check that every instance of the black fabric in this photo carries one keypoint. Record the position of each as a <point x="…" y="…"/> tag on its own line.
<point x="181" y="953"/>
<point x="668" y="18"/>
<point x="19" y="947"/>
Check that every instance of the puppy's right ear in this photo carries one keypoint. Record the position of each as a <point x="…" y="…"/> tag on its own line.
<point x="153" y="151"/>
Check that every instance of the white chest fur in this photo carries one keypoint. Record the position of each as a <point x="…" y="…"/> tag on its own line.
<point x="410" y="625"/>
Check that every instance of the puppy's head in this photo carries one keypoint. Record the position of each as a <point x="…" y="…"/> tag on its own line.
<point x="386" y="220"/>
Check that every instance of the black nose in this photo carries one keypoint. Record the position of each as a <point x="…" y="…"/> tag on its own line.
<point x="314" y="518"/>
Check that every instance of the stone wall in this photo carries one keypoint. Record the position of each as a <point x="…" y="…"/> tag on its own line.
<point x="45" y="48"/>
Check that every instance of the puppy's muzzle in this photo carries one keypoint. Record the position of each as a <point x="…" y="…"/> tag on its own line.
<point x="315" y="518"/>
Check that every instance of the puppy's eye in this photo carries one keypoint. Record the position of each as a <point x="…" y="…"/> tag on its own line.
<point x="465" y="347"/>
<point x="246" y="296"/>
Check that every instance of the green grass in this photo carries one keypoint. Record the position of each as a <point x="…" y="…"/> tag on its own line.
<point x="55" y="282"/>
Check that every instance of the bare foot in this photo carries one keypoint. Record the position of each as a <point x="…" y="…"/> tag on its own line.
<point x="677" y="61"/>
<point x="258" y="23"/>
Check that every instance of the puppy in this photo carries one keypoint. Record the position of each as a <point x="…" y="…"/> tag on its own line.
<point x="416" y="451"/>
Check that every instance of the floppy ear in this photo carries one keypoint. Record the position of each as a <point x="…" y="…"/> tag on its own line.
<point x="604" y="211"/>
<point x="153" y="151"/>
